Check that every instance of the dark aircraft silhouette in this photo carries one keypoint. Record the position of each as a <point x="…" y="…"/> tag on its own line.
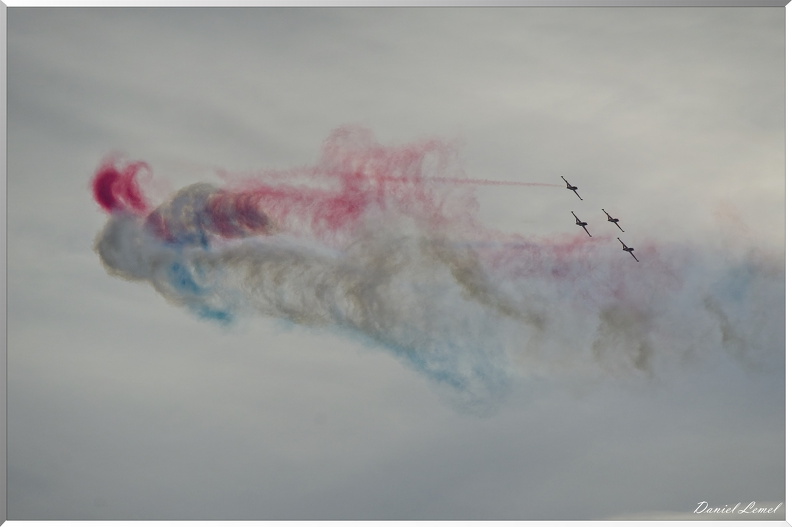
<point x="570" y="187"/>
<point x="613" y="220"/>
<point x="581" y="223"/>
<point x="628" y="249"/>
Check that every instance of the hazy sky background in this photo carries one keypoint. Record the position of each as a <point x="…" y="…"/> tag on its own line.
<point x="124" y="406"/>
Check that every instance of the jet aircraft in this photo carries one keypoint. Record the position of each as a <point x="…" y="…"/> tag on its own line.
<point x="570" y="187"/>
<point x="615" y="221"/>
<point x="628" y="249"/>
<point x="581" y="223"/>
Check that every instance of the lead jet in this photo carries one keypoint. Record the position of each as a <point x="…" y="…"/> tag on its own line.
<point x="628" y="249"/>
<point x="581" y="223"/>
<point x="570" y="187"/>
<point x="613" y="220"/>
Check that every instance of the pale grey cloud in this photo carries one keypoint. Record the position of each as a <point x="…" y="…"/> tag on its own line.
<point x="124" y="406"/>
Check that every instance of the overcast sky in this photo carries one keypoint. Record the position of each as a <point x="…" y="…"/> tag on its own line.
<point x="123" y="405"/>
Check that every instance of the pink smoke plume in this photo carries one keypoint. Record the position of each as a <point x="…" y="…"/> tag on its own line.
<point x="117" y="187"/>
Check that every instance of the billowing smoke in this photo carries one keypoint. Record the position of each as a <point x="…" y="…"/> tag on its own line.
<point x="385" y="243"/>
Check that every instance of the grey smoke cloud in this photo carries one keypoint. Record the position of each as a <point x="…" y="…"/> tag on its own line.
<point x="468" y="314"/>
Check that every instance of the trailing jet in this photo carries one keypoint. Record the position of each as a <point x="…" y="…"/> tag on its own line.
<point x="613" y="220"/>
<point x="628" y="249"/>
<point x="570" y="187"/>
<point x="581" y="223"/>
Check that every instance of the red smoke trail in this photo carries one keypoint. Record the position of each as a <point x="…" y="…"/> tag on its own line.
<point x="357" y="175"/>
<point x="355" y="180"/>
<point x="335" y="211"/>
<point x="490" y="182"/>
<point x="464" y="181"/>
<point x="251" y="176"/>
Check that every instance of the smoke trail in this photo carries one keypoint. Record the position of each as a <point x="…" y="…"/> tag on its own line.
<point x="464" y="181"/>
<point x="365" y="243"/>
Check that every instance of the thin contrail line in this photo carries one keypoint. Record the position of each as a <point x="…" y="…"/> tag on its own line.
<point x="465" y="181"/>
<point x="491" y="182"/>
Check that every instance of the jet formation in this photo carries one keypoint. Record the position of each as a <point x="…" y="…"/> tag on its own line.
<point x="611" y="219"/>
